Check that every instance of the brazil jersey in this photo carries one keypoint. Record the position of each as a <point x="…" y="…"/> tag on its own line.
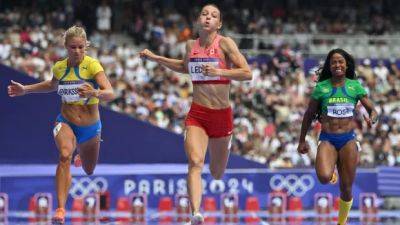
<point x="70" y="78"/>
<point x="338" y="102"/>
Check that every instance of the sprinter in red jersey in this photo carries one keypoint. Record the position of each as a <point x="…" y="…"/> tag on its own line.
<point x="212" y="61"/>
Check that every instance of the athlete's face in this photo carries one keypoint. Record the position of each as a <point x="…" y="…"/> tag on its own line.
<point x="210" y="18"/>
<point x="76" y="47"/>
<point x="338" y="65"/>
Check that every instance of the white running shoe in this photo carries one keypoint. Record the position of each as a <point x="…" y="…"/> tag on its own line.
<point x="197" y="219"/>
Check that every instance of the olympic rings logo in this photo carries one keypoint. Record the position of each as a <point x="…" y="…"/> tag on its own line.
<point x="84" y="186"/>
<point x="293" y="184"/>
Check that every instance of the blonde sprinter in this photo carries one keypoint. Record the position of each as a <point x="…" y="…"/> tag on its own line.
<point x="81" y="83"/>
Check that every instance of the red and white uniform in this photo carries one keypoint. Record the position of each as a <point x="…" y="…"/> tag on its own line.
<point x="216" y="122"/>
<point x="212" y="55"/>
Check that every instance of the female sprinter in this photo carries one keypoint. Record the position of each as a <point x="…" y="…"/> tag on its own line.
<point x="212" y="61"/>
<point x="77" y="79"/>
<point x="334" y="99"/>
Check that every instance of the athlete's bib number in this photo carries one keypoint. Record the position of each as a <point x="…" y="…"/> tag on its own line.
<point x="68" y="90"/>
<point x="340" y="110"/>
<point x="196" y="71"/>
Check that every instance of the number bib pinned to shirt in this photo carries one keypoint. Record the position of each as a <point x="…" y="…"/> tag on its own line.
<point x="340" y="110"/>
<point x="68" y="90"/>
<point x="196" y="70"/>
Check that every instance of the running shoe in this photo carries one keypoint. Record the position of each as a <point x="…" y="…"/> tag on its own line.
<point x="59" y="216"/>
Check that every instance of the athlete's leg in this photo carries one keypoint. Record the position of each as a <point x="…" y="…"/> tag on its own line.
<point x="66" y="144"/>
<point x="89" y="154"/>
<point x="325" y="161"/>
<point x="347" y="165"/>
<point x="196" y="141"/>
<point x="219" y="155"/>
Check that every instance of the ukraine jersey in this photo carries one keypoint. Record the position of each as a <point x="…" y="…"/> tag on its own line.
<point x="70" y="78"/>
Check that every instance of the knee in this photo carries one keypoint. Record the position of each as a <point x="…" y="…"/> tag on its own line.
<point x="324" y="177"/>
<point x="196" y="162"/>
<point x="65" y="154"/>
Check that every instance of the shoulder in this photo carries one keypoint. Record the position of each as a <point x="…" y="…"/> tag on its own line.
<point x="323" y="87"/>
<point x="226" y="42"/>
<point x="190" y="43"/>
<point x="356" y="86"/>
<point x="59" y="68"/>
<point x="228" y="45"/>
<point x="91" y="63"/>
<point x="89" y="60"/>
<point x="60" y="63"/>
<point x="324" y="83"/>
<point x="354" y="82"/>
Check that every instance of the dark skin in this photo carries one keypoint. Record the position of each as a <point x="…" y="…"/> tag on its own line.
<point x="345" y="159"/>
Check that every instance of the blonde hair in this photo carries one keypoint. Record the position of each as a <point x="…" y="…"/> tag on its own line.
<point x="75" y="31"/>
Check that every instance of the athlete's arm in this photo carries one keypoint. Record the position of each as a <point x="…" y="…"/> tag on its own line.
<point x="17" y="89"/>
<point x="177" y="65"/>
<point x="241" y="70"/>
<point x="305" y="125"/>
<point x="105" y="93"/>
<point x="373" y="114"/>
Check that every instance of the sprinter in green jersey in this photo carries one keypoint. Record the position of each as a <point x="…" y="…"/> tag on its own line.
<point x="334" y="100"/>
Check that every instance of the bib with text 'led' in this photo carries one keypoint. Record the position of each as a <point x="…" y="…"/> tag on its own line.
<point x="196" y="71"/>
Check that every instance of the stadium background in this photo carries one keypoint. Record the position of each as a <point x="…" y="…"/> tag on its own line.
<point x="283" y="41"/>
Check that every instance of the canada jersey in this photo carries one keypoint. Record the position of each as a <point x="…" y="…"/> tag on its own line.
<point x="202" y="56"/>
<point x="338" y="102"/>
<point x="71" y="78"/>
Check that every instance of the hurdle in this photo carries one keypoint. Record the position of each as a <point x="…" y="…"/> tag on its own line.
<point x="3" y="207"/>
<point x="323" y="205"/>
<point x="230" y="207"/>
<point x="368" y="208"/>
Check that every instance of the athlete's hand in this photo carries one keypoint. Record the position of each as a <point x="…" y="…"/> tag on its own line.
<point x="303" y="147"/>
<point x="209" y="70"/>
<point x="15" y="89"/>
<point x="87" y="91"/>
<point x="147" y="54"/>
<point x="371" y="120"/>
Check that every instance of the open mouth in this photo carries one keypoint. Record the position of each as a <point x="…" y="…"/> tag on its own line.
<point x="339" y="71"/>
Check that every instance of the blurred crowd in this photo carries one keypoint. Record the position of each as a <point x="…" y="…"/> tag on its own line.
<point x="267" y="110"/>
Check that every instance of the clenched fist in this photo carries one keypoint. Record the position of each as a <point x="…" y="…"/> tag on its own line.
<point x="147" y="54"/>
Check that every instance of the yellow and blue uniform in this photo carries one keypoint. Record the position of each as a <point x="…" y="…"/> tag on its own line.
<point x="69" y="79"/>
<point x="85" y="72"/>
